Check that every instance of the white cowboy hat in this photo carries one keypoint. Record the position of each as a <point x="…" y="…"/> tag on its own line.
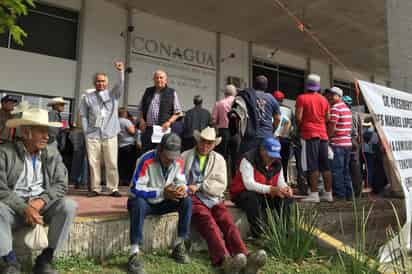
<point x="56" y="100"/>
<point x="23" y="106"/>
<point x="208" y="134"/>
<point x="33" y="117"/>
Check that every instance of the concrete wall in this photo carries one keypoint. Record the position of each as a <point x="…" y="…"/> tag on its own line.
<point x="103" y="44"/>
<point x="179" y="50"/>
<point x="237" y="66"/>
<point x="35" y="73"/>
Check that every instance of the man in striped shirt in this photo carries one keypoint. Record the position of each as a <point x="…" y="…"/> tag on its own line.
<point x="339" y="131"/>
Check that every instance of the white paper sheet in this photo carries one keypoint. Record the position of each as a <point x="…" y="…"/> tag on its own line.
<point x="158" y="134"/>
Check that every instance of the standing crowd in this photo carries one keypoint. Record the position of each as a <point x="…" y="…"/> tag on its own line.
<point x="185" y="163"/>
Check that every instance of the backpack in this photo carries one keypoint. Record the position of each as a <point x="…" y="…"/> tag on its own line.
<point x="243" y="114"/>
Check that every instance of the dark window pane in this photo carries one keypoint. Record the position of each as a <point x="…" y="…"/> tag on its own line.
<point x="51" y="34"/>
<point x="55" y="11"/>
<point x="4" y="39"/>
<point x="291" y="85"/>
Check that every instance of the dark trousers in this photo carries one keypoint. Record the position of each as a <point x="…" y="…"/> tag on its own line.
<point x="79" y="168"/>
<point x="188" y="143"/>
<point x="126" y="162"/>
<point x="342" y="182"/>
<point x="371" y="169"/>
<point x="255" y="204"/>
<point x="301" y="178"/>
<point x="218" y="229"/>
<point x="146" y="139"/>
<point x="228" y="148"/>
<point x="139" y="208"/>
<point x="285" y="155"/>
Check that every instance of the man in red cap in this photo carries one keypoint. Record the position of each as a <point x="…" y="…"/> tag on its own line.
<point x="283" y="131"/>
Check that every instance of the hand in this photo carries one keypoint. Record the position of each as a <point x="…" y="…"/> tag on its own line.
<point x="193" y="188"/>
<point x="142" y="125"/>
<point x="181" y="191"/>
<point x="32" y="216"/>
<point x="119" y="66"/>
<point x="166" y="125"/>
<point x="38" y="204"/>
<point x="170" y="193"/>
<point x="276" y="192"/>
<point x="287" y="191"/>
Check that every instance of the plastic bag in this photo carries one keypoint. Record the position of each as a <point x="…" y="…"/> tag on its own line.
<point x="36" y="238"/>
<point x="330" y="153"/>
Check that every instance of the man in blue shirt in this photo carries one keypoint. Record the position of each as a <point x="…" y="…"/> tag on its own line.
<point x="268" y="115"/>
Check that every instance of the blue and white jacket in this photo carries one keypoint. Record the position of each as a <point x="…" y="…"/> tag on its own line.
<point x="150" y="179"/>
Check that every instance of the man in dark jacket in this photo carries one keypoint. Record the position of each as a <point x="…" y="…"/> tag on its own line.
<point x="56" y="134"/>
<point x="159" y="106"/>
<point x="33" y="183"/>
<point x="196" y="118"/>
<point x="259" y="183"/>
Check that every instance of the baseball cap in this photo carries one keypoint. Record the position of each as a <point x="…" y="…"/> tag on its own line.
<point x="313" y="82"/>
<point x="347" y="99"/>
<point x="10" y="98"/>
<point x="335" y="90"/>
<point x="170" y="145"/>
<point x="279" y="96"/>
<point x="272" y="147"/>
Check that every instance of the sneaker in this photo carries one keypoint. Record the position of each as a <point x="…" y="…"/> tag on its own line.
<point x="313" y="197"/>
<point x="12" y="268"/>
<point x="234" y="265"/>
<point x="326" y="197"/>
<point x="116" y="194"/>
<point x="179" y="253"/>
<point x="44" y="268"/>
<point x="135" y="264"/>
<point x="93" y="194"/>
<point x="255" y="261"/>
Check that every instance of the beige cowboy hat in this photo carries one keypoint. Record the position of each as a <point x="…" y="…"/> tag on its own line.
<point x="56" y="100"/>
<point x="208" y="134"/>
<point x="23" y="106"/>
<point x="33" y="117"/>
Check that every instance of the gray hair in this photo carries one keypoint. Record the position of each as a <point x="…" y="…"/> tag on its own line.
<point x="230" y="90"/>
<point x="100" y="73"/>
<point x="159" y="71"/>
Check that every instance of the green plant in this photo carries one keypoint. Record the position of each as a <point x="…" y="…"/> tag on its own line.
<point x="400" y="263"/>
<point x="284" y="236"/>
<point x="10" y="10"/>
<point x="360" y="259"/>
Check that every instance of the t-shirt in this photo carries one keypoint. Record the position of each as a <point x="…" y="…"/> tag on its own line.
<point x="341" y="115"/>
<point x="267" y="106"/>
<point x="125" y="138"/>
<point x="315" y="107"/>
<point x="286" y="116"/>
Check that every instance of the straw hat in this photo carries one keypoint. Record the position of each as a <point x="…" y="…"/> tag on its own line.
<point x="23" y="106"/>
<point x="33" y="117"/>
<point x="56" y="100"/>
<point x="208" y="134"/>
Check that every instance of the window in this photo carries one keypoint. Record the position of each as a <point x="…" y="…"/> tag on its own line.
<point x="289" y="80"/>
<point x="40" y="101"/>
<point x="51" y="31"/>
<point x="4" y="40"/>
<point x="349" y="89"/>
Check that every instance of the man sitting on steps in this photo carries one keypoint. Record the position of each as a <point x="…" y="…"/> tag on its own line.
<point x="33" y="183"/>
<point x="159" y="187"/>
<point x="206" y="173"/>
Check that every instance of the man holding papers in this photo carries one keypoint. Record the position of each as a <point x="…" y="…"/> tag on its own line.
<point x="159" y="106"/>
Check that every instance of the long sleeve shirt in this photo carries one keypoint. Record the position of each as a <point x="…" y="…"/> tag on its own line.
<point x="99" y="112"/>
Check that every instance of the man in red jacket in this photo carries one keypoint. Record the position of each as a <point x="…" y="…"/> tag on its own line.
<point x="259" y="182"/>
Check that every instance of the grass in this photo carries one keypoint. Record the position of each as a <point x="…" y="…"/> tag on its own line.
<point x="159" y="262"/>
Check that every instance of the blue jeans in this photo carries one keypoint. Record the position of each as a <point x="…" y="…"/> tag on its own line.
<point x="342" y="182"/>
<point x="139" y="208"/>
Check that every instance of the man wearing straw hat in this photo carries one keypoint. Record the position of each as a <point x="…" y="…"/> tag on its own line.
<point x="33" y="183"/>
<point x="8" y="103"/>
<point x="55" y="134"/>
<point x="206" y="173"/>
